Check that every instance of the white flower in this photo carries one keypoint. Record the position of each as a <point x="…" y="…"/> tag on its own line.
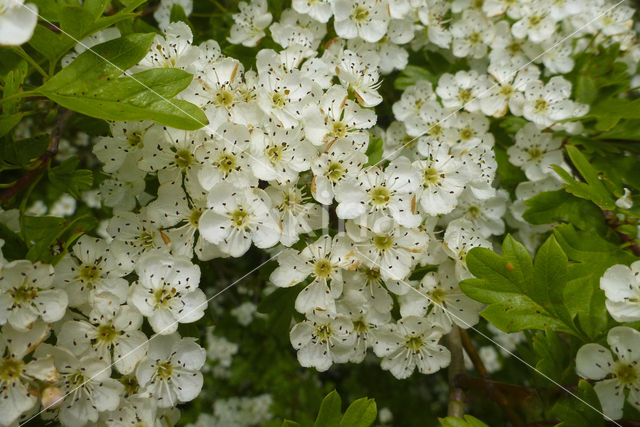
<point x="18" y="387"/>
<point x="535" y="151"/>
<point x="546" y="104"/>
<point x="27" y="293"/>
<point x="297" y="214"/>
<point x="465" y="90"/>
<point x="114" y="331"/>
<point x="367" y="19"/>
<point x="126" y="141"/>
<point x="342" y="161"/>
<point x="444" y="177"/>
<point x="324" y="338"/>
<point x="283" y="92"/>
<point x="536" y="23"/>
<point x="174" y="50"/>
<point x="95" y="268"/>
<point x="250" y="23"/>
<point x="508" y="88"/>
<point x="139" y="233"/>
<point x="171" y="153"/>
<point x="170" y="373"/>
<point x="280" y="154"/>
<point x="17" y="21"/>
<point x="324" y="260"/>
<point x="378" y="194"/>
<point x="439" y="299"/>
<point x="621" y="285"/>
<point x="387" y="246"/>
<point x="361" y="76"/>
<point x="320" y="10"/>
<point x="87" y="385"/>
<point x="225" y="157"/>
<point x="461" y="236"/>
<point x="295" y="28"/>
<point x="238" y="217"/>
<point x="486" y="215"/>
<point x="472" y="34"/>
<point x="626" y="200"/>
<point x="337" y="117"/>
<point x="162" y="15"/>
<point x="167" y="291"/>
<point x="411" y="343"/>
<point x="613" y="377"/>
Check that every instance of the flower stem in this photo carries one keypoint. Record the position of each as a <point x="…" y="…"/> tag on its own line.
<point x="20" y="51"/>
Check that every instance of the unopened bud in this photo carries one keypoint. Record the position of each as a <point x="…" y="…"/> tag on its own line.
<point x="52" y="397"/>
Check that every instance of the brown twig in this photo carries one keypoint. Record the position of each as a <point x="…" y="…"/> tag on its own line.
<point x="43" y="160"/>
<point x="456" y="368"/>
<point x="494" y="392"/>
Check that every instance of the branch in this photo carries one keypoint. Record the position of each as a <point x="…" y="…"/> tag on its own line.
<point x="43" y="160"/>
<point x="494" y="393"/>
<point x="456" y="368"/>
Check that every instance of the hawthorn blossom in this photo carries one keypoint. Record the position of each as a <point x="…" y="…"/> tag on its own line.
<point x="170" y="374"/>
<point x="27" y="293"/>
<point x="17" y="22"/>
<point x="166" y="291"/>
<point x="613" y="377"/>
<point x="621" y="286"/>
<point x="323" y="339"/>
<point x="411" y="343"/>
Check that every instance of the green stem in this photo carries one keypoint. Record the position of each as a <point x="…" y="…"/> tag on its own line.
<point x="18" y="95"/>
<point x="20" y="51"/>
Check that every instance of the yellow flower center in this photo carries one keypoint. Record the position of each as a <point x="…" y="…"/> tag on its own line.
<point x="626" y="374"/>
<point x="380" y="196"/>
<point x="324" y="332"/>
<point x="540" y="106"/>
<point x="414" y="344"/>
<point x="383" y="242"/>
<point x="223" y="98"/>
<point x="183" y="158"/>
<point x="10" y="369"/>
<point x="464" y="95"/>
<point x="164" y="370"/>
<point x="135" y="139"/>
<point x="323" y="269"/>
<point x="336" y="171"/>
<point x="360" y="14"/>
<point x="239" y="218"/>
<point x="107" y="333"/>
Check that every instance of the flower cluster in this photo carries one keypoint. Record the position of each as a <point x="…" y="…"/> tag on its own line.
<point x="376" y="246"/>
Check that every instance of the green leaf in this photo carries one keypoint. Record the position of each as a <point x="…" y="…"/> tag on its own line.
<point x="91" y="86"/>
<point x="554" y="358"/>
<point x="550" y="278"/>
<point x="12" y="82"/>
<point x="20" y="153"/>
<point x="40" y="234"/>
<point x="361" y="413"/>
<point x="411" y="75"/>
<point x="14" y="248"/>
<point x="591" y="256"/>
<point x="374" y="150"/>
<point x="521" y="295"/>
<point x="289" y="423"/>
<point x="67" y="178"/>
<point x="593" y="189"/>
<point x="330" y="411"/>
<point x="554" y="206"/>
<point x="8" y="122"/>
<point x="586" y="90"/>
<point x="467" y="421"/>
<point x="579" y="412"/>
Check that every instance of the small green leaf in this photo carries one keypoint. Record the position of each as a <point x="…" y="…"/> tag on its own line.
<point x="330" y="411"/>
<point x="585" y="411"/>
<point x="554" y="206"/>
<point x="67" y="178"/>
<point x="289" y="423"/>
<point x="361" y="413"/>
<point x="467" y="421"/>
<point x="21" y="152"/>
<point x="411" y="75"/>
<point x="374" y="151"/>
